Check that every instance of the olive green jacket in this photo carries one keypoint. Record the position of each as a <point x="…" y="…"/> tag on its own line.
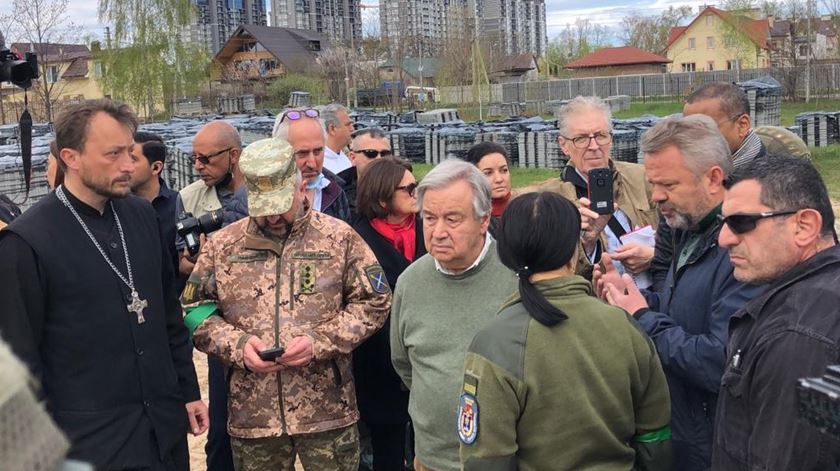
<point x="632" y="193"/>
<point x="586" y="393"/>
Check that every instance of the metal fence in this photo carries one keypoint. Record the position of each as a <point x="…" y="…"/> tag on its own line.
<point x="825" y="81"/>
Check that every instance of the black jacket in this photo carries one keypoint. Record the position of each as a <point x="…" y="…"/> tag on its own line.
<point x="381" y="395"/>
<point x="350" y="177"/>
<point x="108" y="380"/>
<point x="8" y="209"/>
<point x="791" y="331"/>
<point x="687" y="322"/>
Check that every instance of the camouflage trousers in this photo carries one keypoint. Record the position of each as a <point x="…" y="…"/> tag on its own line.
<point x="333" y="450"/>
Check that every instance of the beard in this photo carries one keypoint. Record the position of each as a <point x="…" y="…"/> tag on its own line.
<point x="119" y="187"/>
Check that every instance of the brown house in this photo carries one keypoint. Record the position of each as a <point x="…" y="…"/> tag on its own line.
<point x="627" y="60"/>
<point x="262" y="52"/>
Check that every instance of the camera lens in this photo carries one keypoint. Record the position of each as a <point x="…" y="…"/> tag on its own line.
<point x="601" y="182"/>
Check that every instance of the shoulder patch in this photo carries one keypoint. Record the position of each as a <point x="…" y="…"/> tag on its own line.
<point x="468" y="418"/>
<point x="377" y="280"/>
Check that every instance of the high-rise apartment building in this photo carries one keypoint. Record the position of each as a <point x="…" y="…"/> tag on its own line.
<point x="514" y="26"/>
<point x="215" y="20"/>
<point x="338" y="20"/>
<point x="430" y="24"/>
<point x="511" y="26"/>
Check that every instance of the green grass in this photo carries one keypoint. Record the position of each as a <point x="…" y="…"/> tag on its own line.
<point x="827" y="160"/>
<point x="519" y="176"/>
<point x="789" y="109"/>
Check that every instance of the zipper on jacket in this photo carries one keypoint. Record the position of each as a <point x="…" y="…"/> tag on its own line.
<point x="277" y="339"/>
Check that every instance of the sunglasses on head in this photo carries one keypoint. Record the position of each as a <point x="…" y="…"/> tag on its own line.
<point x="745" y="222"/>
<point x="372" y="154"/>
<point x="295" y="115"/>
<point x="410" y="188"/>
<point x="205" y="159"/>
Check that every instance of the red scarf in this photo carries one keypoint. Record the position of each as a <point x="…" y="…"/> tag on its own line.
<point x="402" y="236"/>
<point x="499" y="205"/>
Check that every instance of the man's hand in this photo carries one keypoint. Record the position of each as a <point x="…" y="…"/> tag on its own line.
<point x="199" y="417"/>
<point x="298" y="353"/>
<point x="608" y="275"/>
<point x="635" y="257"/>
<point x="630" y="299"/>
<point x="591" y="224"/>
<point x="186" y="262"/>
<point x="252" y="359"/>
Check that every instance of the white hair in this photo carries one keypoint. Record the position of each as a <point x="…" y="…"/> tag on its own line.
<point x="452" y="170"/>
<point x="577" y="104"/>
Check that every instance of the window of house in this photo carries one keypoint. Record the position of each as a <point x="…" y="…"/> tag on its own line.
<point x="52" y="74"/>
<point x="709" y="20"/>
<point x="733" y="64"/>
<point x="97" y="69"/>
<point x="710" y="42"/>
<point x="803" y="50"/>
<point x="689" y="66"/>
<point x="692" y="44"/>
<point x="711" y="66"/>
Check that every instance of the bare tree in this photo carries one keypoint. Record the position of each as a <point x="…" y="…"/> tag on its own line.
<point x="650" y="33"/>
<point x="45" y="25"/>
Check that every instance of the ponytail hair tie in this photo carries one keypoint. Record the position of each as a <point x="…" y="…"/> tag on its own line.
<point x="524" y="273"/>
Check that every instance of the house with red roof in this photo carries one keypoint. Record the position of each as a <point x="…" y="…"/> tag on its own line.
<point x="627" y="60"/>
<point x="720" y="40"/>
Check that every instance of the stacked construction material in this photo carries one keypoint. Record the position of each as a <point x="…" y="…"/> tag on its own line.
<point x="440" y="116"/>
<point x="409" y="143"/>
<point x="298" y="99"/>
<point x="449" y="142"/>
<point x="369" y="118"/>
<point x="817" y="129"/>
<point x="625" y="146"/>
<point x="765" y="95"/>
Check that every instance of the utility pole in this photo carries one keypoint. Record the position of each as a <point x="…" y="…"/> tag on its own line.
<point x="808" y="56"/>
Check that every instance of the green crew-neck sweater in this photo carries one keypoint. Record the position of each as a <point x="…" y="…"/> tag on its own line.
<point x="434" y="317"/>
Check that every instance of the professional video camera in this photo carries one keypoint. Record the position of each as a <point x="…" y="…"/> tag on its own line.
<point x="12" y="69"/>
<point x="191" y="228"/>
<point x="819" y="401"/>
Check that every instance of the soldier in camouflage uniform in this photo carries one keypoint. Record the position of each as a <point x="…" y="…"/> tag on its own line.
<point x="286" y="276"/>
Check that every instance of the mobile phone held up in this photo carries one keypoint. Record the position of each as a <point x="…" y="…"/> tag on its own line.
<point x="271" y="354"/>
<point x="601" y="190"/>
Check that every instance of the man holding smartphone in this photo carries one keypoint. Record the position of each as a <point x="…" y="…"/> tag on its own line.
<point x="586" y="137"/>
<point x="283" y="298"/>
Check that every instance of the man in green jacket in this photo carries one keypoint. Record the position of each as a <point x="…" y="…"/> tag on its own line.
<point x="441" y="301"/>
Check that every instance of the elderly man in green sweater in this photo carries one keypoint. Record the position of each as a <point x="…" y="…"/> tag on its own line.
<point x="442" y="301"/>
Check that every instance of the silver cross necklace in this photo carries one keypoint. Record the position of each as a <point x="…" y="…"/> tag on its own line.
<point x="137" y="305"/>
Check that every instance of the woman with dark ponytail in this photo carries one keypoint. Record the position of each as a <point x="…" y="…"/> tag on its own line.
<point x="559" y="380"/>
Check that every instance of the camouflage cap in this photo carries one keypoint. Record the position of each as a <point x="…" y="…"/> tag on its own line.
<point x="780" y="141"/>
<point x="269" y="171"/>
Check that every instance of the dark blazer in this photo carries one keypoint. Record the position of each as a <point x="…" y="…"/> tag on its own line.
<point x="381" y="395"/>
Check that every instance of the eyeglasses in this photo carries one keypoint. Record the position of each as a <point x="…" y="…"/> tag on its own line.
<point x="410" y="188"/>
<point x="743" y="223"/>
<point x="295" y="115"/>
<point x="372" y="153"/>
<point x="582" y="142"/>
<point x="205" y="159"/>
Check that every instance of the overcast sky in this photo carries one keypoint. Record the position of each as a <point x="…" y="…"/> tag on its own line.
<point x="558" y="12"/>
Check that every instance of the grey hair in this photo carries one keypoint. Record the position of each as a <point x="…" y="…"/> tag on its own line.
<point x="281" y="129"/>
<point x="697" y="137"/>
<point x="329" y="114"/>
<point x="453" y="170"/>
<point x="577" y="104"/>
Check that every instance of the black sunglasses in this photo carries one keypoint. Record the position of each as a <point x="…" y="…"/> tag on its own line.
<point x="372" y="154"/>
<point x="295" y="115"/>
<point x="743" y="223"/>
<point x="410" y="188"/>
<point x="205" y="159"/>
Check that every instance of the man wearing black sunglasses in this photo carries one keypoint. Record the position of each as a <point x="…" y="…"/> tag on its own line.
<point x="686" y="160"/>
<point x="778" y="225"/>
<point x="367" y="144"/>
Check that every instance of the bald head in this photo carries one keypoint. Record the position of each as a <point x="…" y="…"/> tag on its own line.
<point x="306" y="137"/>
<point x="220" y="143"/>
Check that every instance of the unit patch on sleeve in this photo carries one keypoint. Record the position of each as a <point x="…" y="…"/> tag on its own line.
<point x="468" y="411"/>
<point x="377" y="280"/>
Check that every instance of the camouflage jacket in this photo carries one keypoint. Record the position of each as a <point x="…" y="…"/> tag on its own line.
<point x="321" y="281"/>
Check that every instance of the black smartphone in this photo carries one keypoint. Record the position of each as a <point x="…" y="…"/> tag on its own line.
<point x="271" y="354"/>
<point x="601" y="190"/>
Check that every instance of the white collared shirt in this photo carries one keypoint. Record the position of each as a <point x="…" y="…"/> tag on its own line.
<point x="316" y="203"/>
<point x="336" y="163"/>
<point x="488" y="239"/>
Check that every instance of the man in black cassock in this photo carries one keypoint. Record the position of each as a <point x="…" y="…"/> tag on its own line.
<point x="89" y="304"/>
